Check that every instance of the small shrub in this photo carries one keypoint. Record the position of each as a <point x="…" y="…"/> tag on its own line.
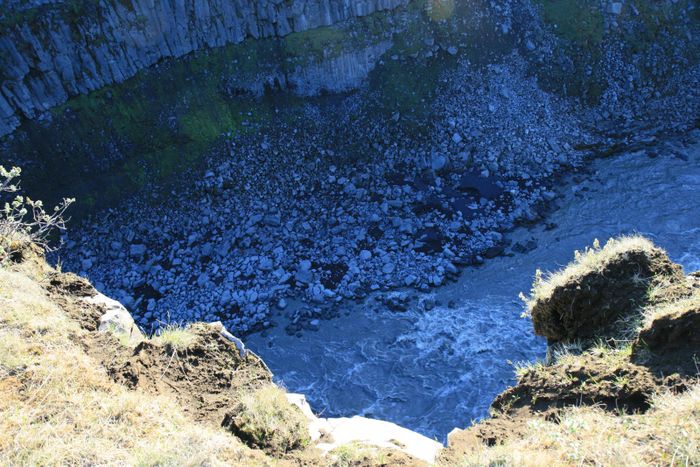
<point x="24" y="220"/>
<point x="265" y="419"/>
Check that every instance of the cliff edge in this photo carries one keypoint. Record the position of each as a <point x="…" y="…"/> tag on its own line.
<point x="79" y="383"/>
<point x="619" y="385"/>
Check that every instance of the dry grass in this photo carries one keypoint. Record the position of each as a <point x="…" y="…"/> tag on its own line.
<point x="353" y="454"/>
<point x="672" y="308"/>
<point x="175" y="338"/>
<point x="266" y="419"/>
<point x="57" y="406"/>
<point x="668" y="434"/>
<point x="591" y="260"/>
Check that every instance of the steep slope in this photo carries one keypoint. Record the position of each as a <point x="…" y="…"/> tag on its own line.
<point x="80" y="384"/>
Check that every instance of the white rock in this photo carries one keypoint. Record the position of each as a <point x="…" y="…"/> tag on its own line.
<point x="367" y="431"/>
<point x="116" y="318"/>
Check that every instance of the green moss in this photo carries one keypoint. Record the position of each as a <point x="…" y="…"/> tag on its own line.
<point x="642" y="27"/>
<point x="146" y="130"/>
<point x="70" y="10"/>
<point x="317" y="43"/>
<point x="579" y="21"/>
<point x="440" y="10"/>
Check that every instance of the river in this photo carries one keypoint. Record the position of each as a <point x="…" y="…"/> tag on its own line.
<point x="432" y="371"/>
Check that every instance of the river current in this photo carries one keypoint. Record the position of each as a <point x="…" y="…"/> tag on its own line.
<point x="432" y="371"/>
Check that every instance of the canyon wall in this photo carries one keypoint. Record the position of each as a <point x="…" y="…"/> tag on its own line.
<point x="50" y="52"/>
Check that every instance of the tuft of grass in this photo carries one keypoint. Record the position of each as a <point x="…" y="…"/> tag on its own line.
<point x="175" y="338"/>
<point x="264" y="418"/>
<point x="522" y="368"/>
<point x="356" y="454"/>
<point x="593" y="259"/>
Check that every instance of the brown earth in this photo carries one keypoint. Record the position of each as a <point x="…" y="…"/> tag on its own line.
<point x="203" y="377"/>
<point x="588" y="305"/>
<point x="586" y="380"/>
<point x="671" y="342"/>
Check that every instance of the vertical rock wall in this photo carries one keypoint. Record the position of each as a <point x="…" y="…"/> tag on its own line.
<point x="52" y="51"/>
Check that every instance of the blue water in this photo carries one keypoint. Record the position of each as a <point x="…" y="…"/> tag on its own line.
<point x="436" y="370"/>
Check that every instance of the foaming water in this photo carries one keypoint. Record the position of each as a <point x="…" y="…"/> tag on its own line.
<point x="431" y="371"/>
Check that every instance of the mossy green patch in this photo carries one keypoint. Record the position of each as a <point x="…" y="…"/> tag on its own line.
<point x="579" y="21"/>
<point x="440" y="10"/>
<point x="643" y="30"/>
<point x="109" y="143"/>
<point x="317" y="43"/>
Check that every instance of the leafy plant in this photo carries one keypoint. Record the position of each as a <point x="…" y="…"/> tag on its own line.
<point x="23" y="219"/>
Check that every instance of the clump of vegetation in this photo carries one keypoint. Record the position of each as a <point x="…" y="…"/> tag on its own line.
<point x="24" y="220"/>
<point x="265" y="419"/>
<point x="356" y="454"/>
<point x="175" y="338"/>
<point x="602" y="287"/>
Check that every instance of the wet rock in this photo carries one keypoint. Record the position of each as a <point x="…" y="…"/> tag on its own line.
<point x="479" y="185"/>
<point x="137" y="250"/>
<point x="429" y="240"/>
<point x="525" y="247"/>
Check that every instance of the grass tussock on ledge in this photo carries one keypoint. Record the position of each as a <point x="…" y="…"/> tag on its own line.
<point x="265" y="419"/>
<point x="58" y="405"/>
<point x="605" y="291"/>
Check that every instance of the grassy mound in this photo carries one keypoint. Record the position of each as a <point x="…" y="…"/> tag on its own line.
<point x="599" y="288"/>
<point x="265" y="419"/>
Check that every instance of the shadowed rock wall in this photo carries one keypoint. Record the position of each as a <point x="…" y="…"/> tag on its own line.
<point x="52" y="51"/>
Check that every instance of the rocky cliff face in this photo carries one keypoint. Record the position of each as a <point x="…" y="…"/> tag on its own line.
<point x="52" y="51"/>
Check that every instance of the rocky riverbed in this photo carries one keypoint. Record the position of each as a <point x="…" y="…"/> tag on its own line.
<point x="335" y="200"/>
<point x="335" y="203"/>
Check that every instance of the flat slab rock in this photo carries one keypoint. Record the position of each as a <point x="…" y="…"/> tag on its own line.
<point x="367" y="431"/>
